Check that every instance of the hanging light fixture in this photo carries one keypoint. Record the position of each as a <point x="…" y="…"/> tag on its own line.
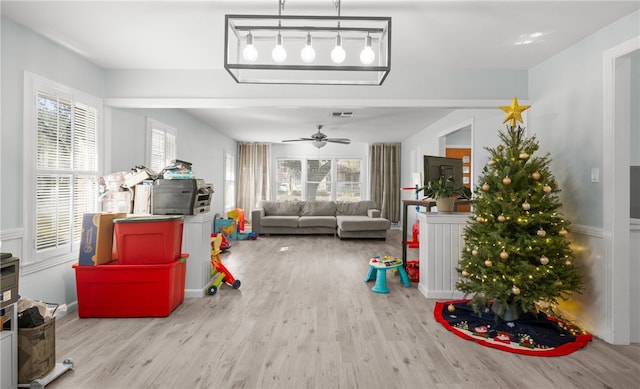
<point x="308" y="54"/>
<point x="367" y="55"/>
<point x="279" y="54"/>
<point x="338" y="55"/>
<point x="330" y="48"/>
<point x="250" y="54"/>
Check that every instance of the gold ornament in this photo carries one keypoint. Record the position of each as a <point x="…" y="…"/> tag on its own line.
<point x="486" y="187"/>
<point x="488" y="263"/>
<point x="514" y="112"/>
<point x="535" y="175"/>
<point x="465" y="273"/>
<point x="506" y="180"/>
<point x="526" y="206"/>
<point x="491" y="162"/>
<point x="504" y="254"/>
<point x="451" y="308"/>
<point x="541" y="233"/>
<point x="558" y="283"/>
<point x="474" y="252"/>
<point x="479" y="219"/>
<point x="544" y="260"/>
<point x="568" y="263"/>
<point x="523" y="155"/>
<point x="501" y="218"/>
<point x="546" y="189"/>
<point x="515" y="290"/>
<point x="500" y="147"/>
<point x="563" y="232"/>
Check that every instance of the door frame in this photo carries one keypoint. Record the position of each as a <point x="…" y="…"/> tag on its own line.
<point x="616" y="160"/>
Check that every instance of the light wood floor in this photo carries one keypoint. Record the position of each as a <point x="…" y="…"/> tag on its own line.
<point x="305" y="318"/>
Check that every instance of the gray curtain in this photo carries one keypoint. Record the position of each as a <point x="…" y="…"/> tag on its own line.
<point x="253" y="175"/>
<point x="384" y="168"/>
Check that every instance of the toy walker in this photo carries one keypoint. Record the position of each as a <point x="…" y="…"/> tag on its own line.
<point x="219" y="272"/>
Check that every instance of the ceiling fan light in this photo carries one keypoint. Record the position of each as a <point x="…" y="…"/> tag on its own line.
<point x="318" y="144"/>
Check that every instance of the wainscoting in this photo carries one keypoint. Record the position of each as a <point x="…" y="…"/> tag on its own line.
<point x="440" y="254"/>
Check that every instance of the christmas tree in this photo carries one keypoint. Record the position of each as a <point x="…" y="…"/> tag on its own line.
<point x="516" y="250"/>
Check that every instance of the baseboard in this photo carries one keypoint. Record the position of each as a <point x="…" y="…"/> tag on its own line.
<point x="440" y="294"/>
<point x="193" y="293"/>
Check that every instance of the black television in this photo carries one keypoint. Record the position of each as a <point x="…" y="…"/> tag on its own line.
<point x="436" y="167"/>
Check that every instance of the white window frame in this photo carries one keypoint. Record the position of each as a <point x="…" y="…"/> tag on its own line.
<point x="33" y="260"/>
<point x="170" y="140"/>
<point x="229" y="181"/>
<point x="333" y="178"/>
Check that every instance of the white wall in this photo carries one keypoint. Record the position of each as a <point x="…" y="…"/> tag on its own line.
<point x="22" y="50"/>
<point x="485" y="126"/>
<point x="196" y="143"/>
<point x="566" y="93"/>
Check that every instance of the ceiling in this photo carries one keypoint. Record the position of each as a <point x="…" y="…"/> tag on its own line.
<point x="187" y="35"/>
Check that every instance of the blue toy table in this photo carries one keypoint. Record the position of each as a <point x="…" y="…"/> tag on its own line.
<point x="378" y="271"/>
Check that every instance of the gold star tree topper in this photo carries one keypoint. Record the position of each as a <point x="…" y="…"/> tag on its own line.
<point x="514" y="112"/>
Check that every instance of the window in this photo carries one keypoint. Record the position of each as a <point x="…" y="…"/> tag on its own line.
<point x="318" y="180"/>
<point x="324" y="179"/>
<point x="288" y="179"/>
<point x="162" y="145"/>
<point x="348" y="182"/>
<point x="229" y="182"/>
<point x="61" y="165"/>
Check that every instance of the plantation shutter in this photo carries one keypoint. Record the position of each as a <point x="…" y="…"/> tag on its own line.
<point x="66" y="170"/>
<point x="163" y="146"/>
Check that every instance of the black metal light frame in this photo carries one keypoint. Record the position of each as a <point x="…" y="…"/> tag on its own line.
<point x="353" y="30"/>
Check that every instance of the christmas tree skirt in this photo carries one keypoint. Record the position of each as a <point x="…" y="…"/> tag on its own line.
<point x="532" y="334"/>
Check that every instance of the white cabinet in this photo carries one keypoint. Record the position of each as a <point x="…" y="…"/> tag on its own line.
<point x="9" y="349"/>
<point x="196" y="241"/>
<point x="441" y="244"/>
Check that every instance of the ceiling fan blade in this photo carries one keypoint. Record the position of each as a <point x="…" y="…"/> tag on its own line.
<point x="343" y="141"/>
<point x="299" y="140"/>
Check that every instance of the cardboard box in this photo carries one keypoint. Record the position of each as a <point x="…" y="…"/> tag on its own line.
<point x="226" y="227"/>
<point x="142" y="199"/>
<point x="96" y="246"/>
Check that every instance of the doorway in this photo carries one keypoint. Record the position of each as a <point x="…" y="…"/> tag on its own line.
<point x="621" y="298"/>
<point x="457" y="143"/>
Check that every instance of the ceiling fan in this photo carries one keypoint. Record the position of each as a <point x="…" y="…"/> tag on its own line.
<point x="319" y="139"/>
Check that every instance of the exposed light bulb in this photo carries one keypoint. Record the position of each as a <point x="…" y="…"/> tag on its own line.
<point x="250" y="54"/>
<point x="367" y="55"/>
<point x="338" y="54"/>
<point x="308" y="54"/>
<point x="279" y="54"/>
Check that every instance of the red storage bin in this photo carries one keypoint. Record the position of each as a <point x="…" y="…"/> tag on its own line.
<point x="115" y="290"/>
<point x="146" y="240"/>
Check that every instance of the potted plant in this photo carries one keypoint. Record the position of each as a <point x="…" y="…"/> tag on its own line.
<point x="444" y="192"/>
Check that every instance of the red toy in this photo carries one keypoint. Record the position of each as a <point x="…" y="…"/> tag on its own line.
<point x="219" y="273"/>
<point x="224" y="244"/>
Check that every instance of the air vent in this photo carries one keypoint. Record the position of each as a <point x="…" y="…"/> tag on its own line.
<point x="345" y="115"/>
